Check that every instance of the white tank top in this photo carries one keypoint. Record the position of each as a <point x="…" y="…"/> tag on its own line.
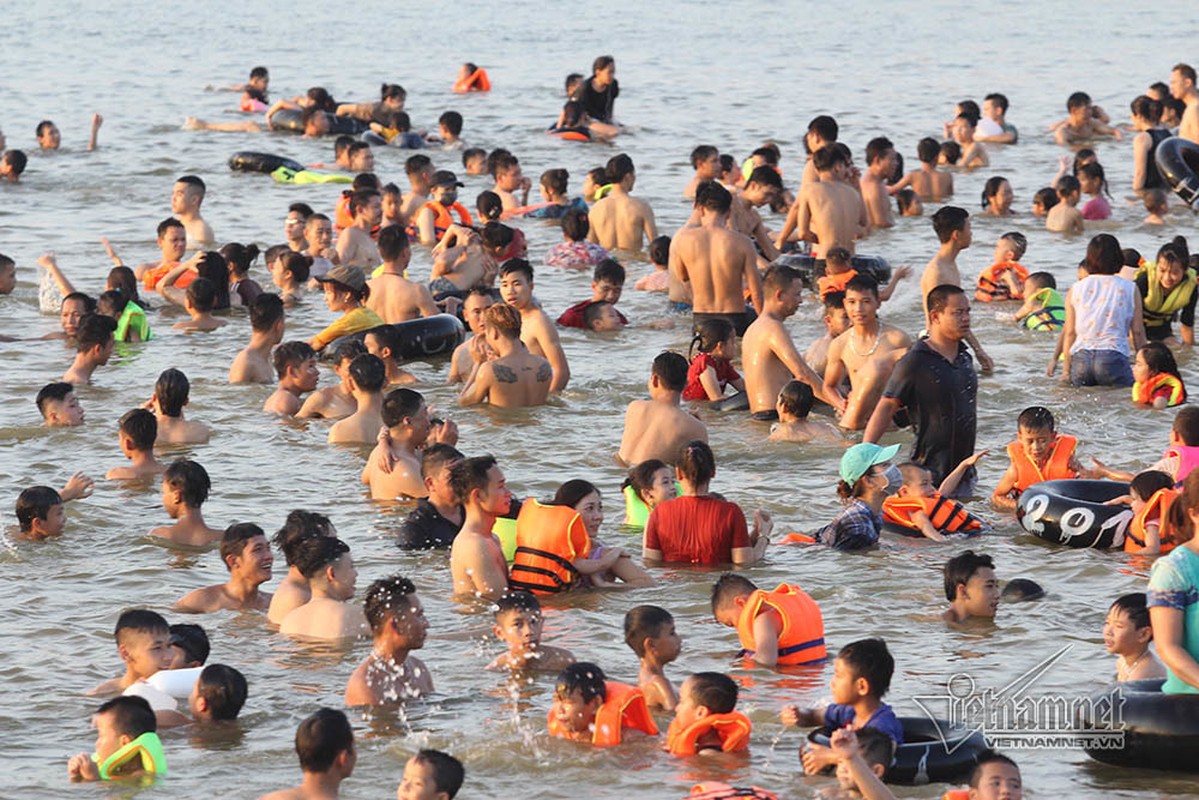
<point x="1103" y="309"/>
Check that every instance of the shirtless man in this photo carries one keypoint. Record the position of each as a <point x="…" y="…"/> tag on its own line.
<point x="318" y="232"/>
<point x="763" y="187"/>
<point x="247" y="555"/>
<point x="93" y="347"/>
<point x="659" y="427"/>
<point x="931" y="185"/>
<point x="171" y="394"/>
<point x="186" y="198"/>
<point x="476" y="558"/>
<point x="185" y="487"/>
<point x="326" y="563"/>
<point x="393" y="297"/>
<point x="512" y="187"/>
<point x="366" y="378"/>
<point x="836" y="322"/>
<point x="253" y="364"/>
<point x="393" y="469"/>
<point x="822" y="131"/>
<point x="335" y="402"/>
<point x="880" y="166"/>
<point x="505" y="373"/>
<point x="172" y="243"/>
<point x="389" y="675"/>
<point x="537" y="330"/>
<point x="705" y="160"/>
<point x="768" y="355"/>
<point x="355" y="246"/>
<point x="952" y="225"/>
<point x="419" y="169"/>
<point x="717" y="262"/>
<point x="325" y="745"/>
<point x="619" y="221"/>
<point x="461" y="262"/>
<point x="477" y="302"/>
<point x="295" y="365"/>
<point x="867" y="352"/>
<point x="830" y="212"/>
<point x="1182" y="87"/>
<point x="386" y="342"/>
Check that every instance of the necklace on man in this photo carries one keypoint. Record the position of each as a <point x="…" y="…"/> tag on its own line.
<point x="878" y="337"/>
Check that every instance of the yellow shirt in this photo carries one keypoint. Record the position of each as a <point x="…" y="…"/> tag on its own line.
<point x="360" y="319"/>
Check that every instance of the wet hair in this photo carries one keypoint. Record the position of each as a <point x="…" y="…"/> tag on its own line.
<point x="342" y="145"/>
<point x="644" y="622"/>
<point x="348" y="350"/>
<point x="641" y="477"/>
<point x="1185" y="70"/>
<point x="503" y="318"/>
<point x="618" y="168"/>
<point x="314" y="554"/>
<point x="728" y="588"/>
<point x="1094" y="171"/>
<point x="710" y="332"/>
<point x="1017" y="241"/>
<point x="52" y="392"/>
<point x="961" y="568"/>
<point x="869" y="659"/>
<point x="303" y="209"/>
<point x="368" y="372"/>
<point x="361" y="200"/>
<point x="298" y="264"/>
<point x="416" y="163"/>
<point x="215" y="269"/>
<point x="823" y="126"/>
<point x="1104" y="256"/>
<point x="391" y="190"/>
<point x="470" y="474"/>
<point x="239" y="257"/>
<point x="1077" y="100"/>
<point x="828" y="157"/>
<point x="171" y="390"/>
<point x="399" y="404"/>
<point x="702" y="154"/>
<point x="905" y="199"/>
<point x="496" y="237"/>
<point x="35" y="502"/>
<point x="388" y="338"/>
<point x="712" y="196"/>
<point x="659" y="250"/>
<point x="111" y="303"/>
<point x="952" y="151"/>
<point x="489" y="205"/>
<point x="131" y="715"/>
<point x="912" y="472"/>
<point x="321" y="738"/>
<point x="949" y="220"/>
<point x="452" y="121"/>
<point x="833" y="301"/>
<point x="696" y="463"/>
<point x="392" y="243"/>
<point x="997" y="99"/>
<point x="95" y="330"/>
<point x="399" y="121"/>
<point x="300" y="526"/>
<point x="862" y="283"/>
<point x="939" y="297"/>
<point x="141" y="427"/>
<point x="471" y="153"/>
<point x="321" y="99"/>
<point x="190" y="479"/>
<point x="1042" y="280"/>
<point x="364" y="182"/>
<point x="291" y="354"/>
<point x="571" y="79"/>
<point x="985" y="758"/>
<point x="1147" y="108"/>
<point x="436" y="456"/>
<point x="1136" y="606"/>
<point x="796" y="398"/>
<point x="139" y="620"/>
<point x="593" y="313"/>
<point x="991" y="189"/>
<point x="576" y="226"/>
<point x="556" y="180"/>
<point x="1150" y="482"/>
<point x="671" y="371"/>
<point x="877" y="148"/>
<point x="1083" y="156"/>
<point x="583" y="677"/>
<point x="603" y="62"/>
<point x="42" y="127"/>
<point x="599" y="176"/>
<point x="265" y="311"/>
<point x="383" y="599"/>
<point x="714" y="691"/>
<point x="194" y="182"/>
<point x="1047" y="196"/>
<point x="494" y="156"/>
<point x="1019" y="589"/>
<point x="501" y="161"/>
<point x="224" y="688"/>
<point x="779" y="278"/>
<point x="1159" y="359"/>
<point x="233" y="542"/>
<point x="1036" y="418"/>
<point x="517" y="600"/>
<point x="15" y="159"/>
<point x="392" y="91"/>
<point x="167" y="224"/>
<point x="201" y="294"/>
<point x="927" y="150"/>
<point x="610" y="271"/>
<point x="192" y="640"/>
<point x="1067" y="185"/>
<point x="571" y="493"/>
<point x="123" y="280"/>
<point x="876" y="747"/>
<point x="448" y="772"/>
<point x="517" y="265"/>
<point x="969" y="110"/>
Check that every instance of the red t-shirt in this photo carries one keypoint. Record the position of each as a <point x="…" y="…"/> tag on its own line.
<point x="725" y="373"/>
<point x="698" y="530"/>
<point x="573" y="316"/>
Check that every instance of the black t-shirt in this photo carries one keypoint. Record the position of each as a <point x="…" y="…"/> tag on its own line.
<point x="940" y="397"/>
<point x="598" y="105"/>
<point x="425" y="529"/>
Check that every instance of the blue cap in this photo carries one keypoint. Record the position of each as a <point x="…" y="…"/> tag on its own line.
<point x="858" y="460"/>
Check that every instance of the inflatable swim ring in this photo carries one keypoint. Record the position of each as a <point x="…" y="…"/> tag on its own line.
<point x="1071" y="512"/>
<point x="422" y="338"/>
<point x="1160" y="731"/>
<point x="1178" y="162"/>
<point x="933" y="751"/>
<point x="291" y="119"/>
<point x="246" y="161"/>
<point x="570" y="134"/>
<point x="874" y="266"/>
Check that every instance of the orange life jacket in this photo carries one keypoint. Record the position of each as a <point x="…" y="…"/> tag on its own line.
<point x="477" y="81"/>
<point x="342" y="218"/>
<point x="548" y="540"/>
<point x="733" y="729"/>
<point x="1142" y="393"/>
<point x="801" y="641"/>
<point x="1156" y="509"/>
<point x="714" y="790"/>
<point x="947" y="516"/>
<point x="827" y="284"/>
<point x="624" y="707"/>
<point x="1056" y="468"/>
<point x="441" y="218"/>
<point x="992" y="289"/>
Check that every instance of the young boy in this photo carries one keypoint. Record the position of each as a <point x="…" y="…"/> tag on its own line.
<point x="996" y="777"/>
<point x="294" y="590"/>
<point x="198" y="302"/>
<point x="970" y="587"/>
<point x="706" y="720"/>
<point x="929" y="184"/>
<point x="1084" y="120"/>
<point x="861" y="677"/>
<point x="430" y="221"/>
<point x="474" y="161"/>
<point x="600" y="316"/>
<point x="335" y="402"/>
<point x="537" y="329"/>
<point x="143" y="643"/>
<point x="40" y="513"/>
<point x="917" y="506"/>
<point x="836" y="322"/>
<point x="93" y="347"/>
<point x="1065" y="216"/>
<point x="58" y="405"/>
<point x="189" y="646"/>
<point x="659" y="427"/>
<point x="385" y="342"/>
<point x="366" y="377"/>
<point x="127" y="744"/>
<point x="776" y="628"/>
<point x="12" y="164"/>
<point x="325" y="745"/>
<point x="219" y="694"/>
<point x="325" y="561"/>
<point x="607" y="284"/>
<point x="1043" y="309"/>
<point x="1126" y="635"/>
<point x="295" y="365"/>
<point x="406" y="417"/>
<point x="863" y="757"/>
<point x="1157" y="205"/>
<point x="952" y="226"/>
<point x="659" y="257"/>
<point x="1005" y="278"/>
<point x="171" y="392"/>
<point x="438" y="516"/>
<point x="589" y="708"/>
<point x="138" y="432"/>
<point x="247" y="556"/>
<point x="649" y="632"/>
<point x="518" y="623"/>
<point x="389" y="675"/>
<point x="449" y="130"/>
<point x="794" y="405"/>
<point x="476" y="559"/>
<point x="253" y="364"/>
<point x="431" y="775"/>
<point x="1039" y="453"/>
<point x="185" y="487"/>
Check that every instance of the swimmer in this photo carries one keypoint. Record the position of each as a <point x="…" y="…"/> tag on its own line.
<point x="581" y="693"/>
<point x="198" y="302"/>
<point x="449" y="131"/>
<point x="172" y="244"/>
<point x="294" y="590"/>
<point x="59" y="406"/>
<point x="1039" y="453"/>
<point x="1157" y="205"/>
<point x="120" y="722"/>
<point x="345" y="291"/>
<point x="12" y="165"/>
<point x="476" y="559"/>
<point x="474" y="161"/>
<point x="337" y="401"/>
<point x="438" y="516"/>
<point x="328" y="614"/>
<point x="794" y="406"/>
<point x="659" y="428"/>
<point x="649" y="632"/>
<point x="620" y="220"/>
<point x="1084" y="121"/>
<point x="187" y="195"/>
<point x="189" y="646"/>
<point x="466" y="259"/>
<point x="295" y="366"/>
<point x="432" y="222"/>
<point x="476" y="303"/>
<point x="289" y="271"/>
<point x="143" y="644"/>
<point x="916" y="499"/>
<point x="325" y="745"/>
<point x="419" y="169"/>
<point x="929" y="183"/>
<point x="952" y="226"/>
<point x="862" y="758"/>
<point x="253" y="364"/>
<point x="393" y="297"/>
<point x="138" y="432"/>
<point x="390" y="675"/>
<point x="385" y="342"/>
<point x="366" y="379"/>
<point x="1065" y="217"/>
<point x="185" y="487"/>
<point x="431" y="775"/>
<point x="171" y="392"/>
<point x="607" y="285"/>
<point x="512" y="187"/>
<point x="971" y="587"/>
<point x="93" y="347"/>
<point x="355" y="248"/>
<point x="575" y="251"/>
<point x="518" y="621"/>
<point x="1182" y="87"/>
<point x="763" y="187"/>
<point x="39" y="509"/>
<point x="659" y="257"/>
<point x="247" y="556"/>
<point x="505" y="373"/>
<point x="830" y="211"/>
<point x="1004" y="279"/>
<point x="707" y="697"/>
<point x="1127" y="633"/>
<point x="836" y="322"/>
<point x="880" y="166"/>
<point x="974" y="154"/>
<point x="394" y="467"/>
<point x="764" y="633"/>
<point x="318" y="232"/>
<point x="705" y="160"/>
<point x="537" y="330"/>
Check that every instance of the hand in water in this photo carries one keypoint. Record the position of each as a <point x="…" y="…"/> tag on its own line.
<point x="80" y="485"/>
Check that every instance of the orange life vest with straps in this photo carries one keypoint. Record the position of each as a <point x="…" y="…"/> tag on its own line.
<point x="548" y="540"/>
<point x="441" y="218"/>
<point x="991" y="287"/>
<point x="801" y="641"/>
<point x="477" y="81"/>
<point x="947" y="516"/>
<point x="827" y="284"/>
<point x="624" y="707"/>
<point x="1056" y="468"/>
<point x="1157" y="508"/>
<point x="733" y="729"/>
<point x="1142" y="393"/>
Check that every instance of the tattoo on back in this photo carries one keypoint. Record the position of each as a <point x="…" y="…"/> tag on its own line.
<point x="504" y="374"/>
<point x="544" y="372"/>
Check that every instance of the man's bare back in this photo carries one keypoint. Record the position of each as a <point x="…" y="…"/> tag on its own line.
<point x="332" y="402"/>
<point x="513" y="381"/>
<point x="718" y="263"/>
<point x="654" y="429"/>
<point x="619" y="222"/>
<point x="397" y="299"/>
<point x="477" y="565"/>
<point x="176" y="430"/>
<point x="877" y="200"/>
<point x="832" y="214"/>
<point x="325" y="618"/>
<point x="769" y="360"/>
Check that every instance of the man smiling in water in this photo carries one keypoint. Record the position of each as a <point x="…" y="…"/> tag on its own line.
<point x="247" y="555"/>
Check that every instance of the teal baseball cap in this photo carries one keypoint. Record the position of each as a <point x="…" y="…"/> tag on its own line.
<point x="858" y="460"/>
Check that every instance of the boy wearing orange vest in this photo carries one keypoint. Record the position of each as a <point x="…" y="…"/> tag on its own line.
<point x="782" y="627"/>
<point x="920" y="507"/>
<point x="1004" y="280"/>
<point x="589" y="708"/>
<point x="861" y="676"/>
<point x="706" y="719"/>
<point x="1039" y="453"/>
<point x="1151" y="495"/>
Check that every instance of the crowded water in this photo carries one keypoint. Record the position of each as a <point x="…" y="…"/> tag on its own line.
<point x="146" y="69"/>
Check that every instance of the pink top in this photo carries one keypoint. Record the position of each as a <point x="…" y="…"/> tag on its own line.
<point x="1097" y="208"/>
